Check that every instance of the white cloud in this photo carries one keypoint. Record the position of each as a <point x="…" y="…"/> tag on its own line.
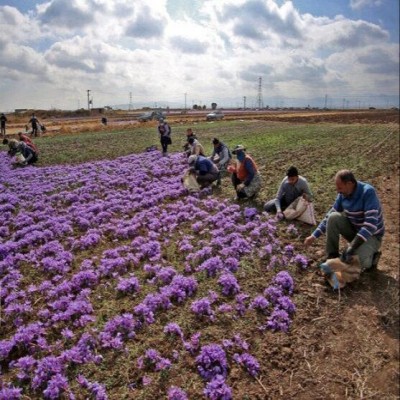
<point x="114" y="47"/>
<point x="359" y="4"/>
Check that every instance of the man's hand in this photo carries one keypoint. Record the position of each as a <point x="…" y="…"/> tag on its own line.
<point x="280" y="215"/>
<point x="347" y="255"/>
<point x="240" y="187"/>
<point x="309" y="240"/>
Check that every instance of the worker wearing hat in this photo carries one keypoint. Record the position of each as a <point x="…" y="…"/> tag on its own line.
<point x="245" y="177"/>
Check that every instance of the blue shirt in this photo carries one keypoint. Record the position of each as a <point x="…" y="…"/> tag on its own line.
<point x="203" y="165"/>
<point x="362" y="208"/>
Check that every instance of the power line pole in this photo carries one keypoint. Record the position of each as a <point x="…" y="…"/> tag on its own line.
<point x="260" y="100"/>
<point x="244" y="102"/>
<point x="130" y="101"/>
<point x="185" y="100"/>
<point x="326" y="101"/>
<point x="88" y="99"/>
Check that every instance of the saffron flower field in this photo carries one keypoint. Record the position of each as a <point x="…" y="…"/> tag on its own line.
<point x="113" y="262"/>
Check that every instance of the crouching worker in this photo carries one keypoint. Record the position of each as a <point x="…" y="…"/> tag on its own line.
<point x="245" y="177"/>
<point x="221" y="157"/>
<point x="203" y="169"/>
<point x="357" y="216"/>
<point x="292" y="187"/>
<point x="24" y="155"/>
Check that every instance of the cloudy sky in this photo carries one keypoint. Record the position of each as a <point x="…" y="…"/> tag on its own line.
<point x="168" y="52"/>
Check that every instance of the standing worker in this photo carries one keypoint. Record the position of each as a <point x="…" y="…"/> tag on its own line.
<point x="3" y="120"/>
<point x="165" y="135"/>
<point x="34" y="123"/>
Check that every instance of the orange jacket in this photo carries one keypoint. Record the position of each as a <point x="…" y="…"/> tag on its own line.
<point x="242" y="172"/>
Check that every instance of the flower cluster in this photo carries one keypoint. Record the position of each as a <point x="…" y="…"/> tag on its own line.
<point x="98" y="231"/>
<point x="211" y="362"/>
<point x="152" y="361"/>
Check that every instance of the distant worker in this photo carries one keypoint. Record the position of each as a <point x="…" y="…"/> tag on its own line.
<point x="245" y="177"/>
<point x="27" y="140"/>
<point x="104" y="121"/>
<point x="164" y="131"/>
<point x="205" y="171"/>
<point x="357" y="216"/>
<point x="3" y="120"/>
<point x="292" y="187"/>
<point x="35" y="124"/>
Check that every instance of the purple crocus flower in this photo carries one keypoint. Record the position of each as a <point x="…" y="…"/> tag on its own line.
<point x="285" y="281"/>
<point x="229" y="284"/>
<point x="217" y="389"/>
<point x="212" y="362"/>
<point x="249" y="363"/>
<point x="175" y="393"/>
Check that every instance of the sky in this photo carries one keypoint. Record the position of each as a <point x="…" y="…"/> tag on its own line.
<point x="58" y="54"/>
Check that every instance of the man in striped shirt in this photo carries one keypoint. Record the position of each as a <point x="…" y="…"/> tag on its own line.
<point x="357" y="216"/>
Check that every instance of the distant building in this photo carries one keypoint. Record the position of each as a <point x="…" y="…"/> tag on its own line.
<point x="20" y="110"/>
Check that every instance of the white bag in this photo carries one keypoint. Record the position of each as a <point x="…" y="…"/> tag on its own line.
<point x="302" y="210"/>
<point x="190" y="182"/>
<point x="19" y="158"/>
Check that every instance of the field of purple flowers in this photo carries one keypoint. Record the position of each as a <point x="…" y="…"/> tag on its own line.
<point x="116" y="283"/>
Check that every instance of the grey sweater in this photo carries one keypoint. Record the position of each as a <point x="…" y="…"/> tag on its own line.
<point x="290" y="193"/>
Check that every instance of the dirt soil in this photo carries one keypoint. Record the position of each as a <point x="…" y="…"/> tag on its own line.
<point x="346" y="345"/>
<point x="128" y="120"/>
<point x="342" y="345"/>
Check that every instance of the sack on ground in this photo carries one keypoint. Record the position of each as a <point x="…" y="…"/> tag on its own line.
<point x="190" y="182"/>
<point x="338" y="273"/>
<point x="302" y="210"/>
<point x="19" y="158"/>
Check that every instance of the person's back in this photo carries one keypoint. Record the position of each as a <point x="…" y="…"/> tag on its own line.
<point x="203" y="165"/>
<point x="26" y="139"/>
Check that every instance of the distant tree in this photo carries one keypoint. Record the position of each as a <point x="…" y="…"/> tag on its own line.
<point x="204" y="107"/>
<point x="214" y="106"/>
<point x="195" y="106"/>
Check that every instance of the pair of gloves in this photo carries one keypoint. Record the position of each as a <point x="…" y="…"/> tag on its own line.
<point x="348" y="254"/>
